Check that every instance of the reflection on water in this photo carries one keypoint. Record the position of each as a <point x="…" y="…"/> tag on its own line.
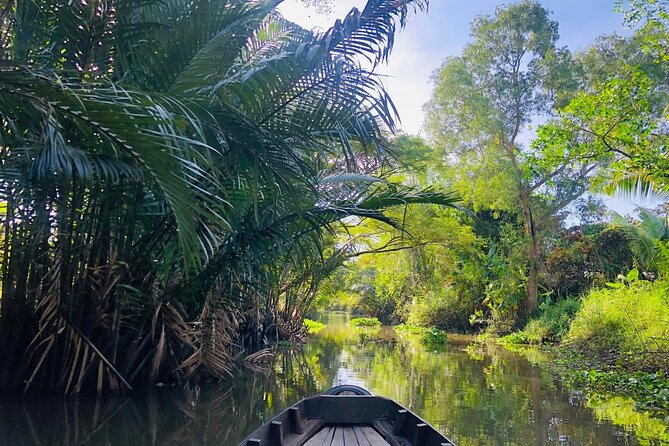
<point x="491" y="397"/>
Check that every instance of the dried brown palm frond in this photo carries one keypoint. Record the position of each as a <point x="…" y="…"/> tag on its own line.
<point x="84" y="359"/>
<point x="156" y="336"/>
<point x="262" y="356"/>
<point x="293" y="331"/>
<point x="214" y="337"/>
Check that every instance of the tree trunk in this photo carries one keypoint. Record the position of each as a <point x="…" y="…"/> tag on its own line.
<point x="532" y="301"/>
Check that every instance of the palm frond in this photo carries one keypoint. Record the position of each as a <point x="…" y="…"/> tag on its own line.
<point x="370" y="32"/>
<point x="631" y="185"/>
<point x="136" y="129"/>
<point x="644" y="236"/>
<point x="208" y="148"/>
<point x="185" y="43"/>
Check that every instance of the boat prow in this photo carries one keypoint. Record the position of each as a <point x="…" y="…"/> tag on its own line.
<point x="346" y="416"/>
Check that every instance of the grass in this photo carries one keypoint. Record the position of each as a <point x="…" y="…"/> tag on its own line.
<point x="551" y="326"/>
<point x="626" y="326"/>
<point x="613" y="343"/>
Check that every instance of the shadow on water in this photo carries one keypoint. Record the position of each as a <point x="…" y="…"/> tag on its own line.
<point x="488" y="397"/>
<point x="220" y="415"/>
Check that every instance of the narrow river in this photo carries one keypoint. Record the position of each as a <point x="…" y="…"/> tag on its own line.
<point x="486" y="397"/>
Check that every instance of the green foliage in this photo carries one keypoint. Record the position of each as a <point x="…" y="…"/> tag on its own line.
<point x="629" y="323"/>
<point x="522" y="337"/>
<point x="430" y="337"/>
<point x="172" y="168"/>
<point x="483" y="97"/>
<point x="652" y="19"/>
<point x="644" y="237"/>
<point x="313" y="327"/>
<point x="435" y="259"/>
<point x="581" y="260"/>
<point x="506" y="278"/>
<point x="509" y="74"/>
<point x="616" y="117"/>
<point x="365" y="322"/>
<point x="443" y="309"/>
<point x="550" y="326"/>
<point x="434" y="338"/>
<point x="611" y="252"/>
<point x="567" y="270"/>
<point x="557" y="317"/>
<point x="409" y="329"/>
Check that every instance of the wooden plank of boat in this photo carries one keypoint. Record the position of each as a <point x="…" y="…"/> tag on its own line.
<point x="346" y="416"/>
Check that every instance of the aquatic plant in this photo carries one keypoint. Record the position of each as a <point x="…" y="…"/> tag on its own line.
<point x="313" y="327"/>
<point x="431" y="337"/>
<point x="650" y="391"/>
<point x="365" y="322"/>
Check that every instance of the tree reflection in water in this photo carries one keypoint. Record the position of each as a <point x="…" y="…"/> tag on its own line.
<point x="490" y="397"/>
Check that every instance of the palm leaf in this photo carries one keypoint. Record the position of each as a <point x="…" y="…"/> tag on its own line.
<point x="135" y="128"/>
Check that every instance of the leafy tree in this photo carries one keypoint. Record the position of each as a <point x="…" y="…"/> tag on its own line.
<point x="584" y="257"/>
<point x="430" y="272"/>
<point x="511" y="73"/>
<point x="618" y="115"/>
<point x="652" y="19"/>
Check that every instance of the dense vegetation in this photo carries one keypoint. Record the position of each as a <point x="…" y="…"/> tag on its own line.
<point x="171" y="172"/>
<point x="184" y="182"/>
<point x="531" y="135"/>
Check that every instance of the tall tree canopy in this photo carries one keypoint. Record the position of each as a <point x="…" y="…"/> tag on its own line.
<point x="509" y="75"/>
<point x="619" y="115"/>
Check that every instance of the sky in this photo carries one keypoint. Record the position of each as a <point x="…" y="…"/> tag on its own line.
<point x="444" y="30"/>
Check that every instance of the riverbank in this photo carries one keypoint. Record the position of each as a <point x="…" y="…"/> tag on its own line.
<point x="610" y="344"/>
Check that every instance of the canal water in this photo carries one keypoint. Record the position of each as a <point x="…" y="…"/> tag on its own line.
<point x="485" y="396"/>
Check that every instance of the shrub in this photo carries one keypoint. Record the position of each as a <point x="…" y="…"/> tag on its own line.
<point x="630" y="321"/>
<point x="430" y="337"/>
<point x="583" y="260"/>
<point x="444" y="310"/>
<point x="365" y="322"/>
<point x="434" y="338"/>
<point x="566" y="268"/>
<point x="612" y="254"/>
<point x="557" y="318"/>
<point x="552" y="325"/>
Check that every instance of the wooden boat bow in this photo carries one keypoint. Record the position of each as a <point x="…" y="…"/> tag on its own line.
<point x="346" y="416"/>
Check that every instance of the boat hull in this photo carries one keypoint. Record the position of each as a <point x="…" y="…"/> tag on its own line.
<point x="394" y="424"/>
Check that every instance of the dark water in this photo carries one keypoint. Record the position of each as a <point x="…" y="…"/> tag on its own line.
<point x="488" y="397"/>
